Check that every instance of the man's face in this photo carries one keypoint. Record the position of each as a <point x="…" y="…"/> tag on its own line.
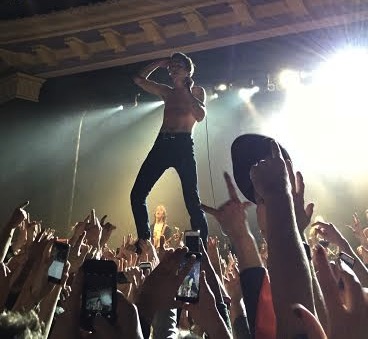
<point x="177" y="69"/>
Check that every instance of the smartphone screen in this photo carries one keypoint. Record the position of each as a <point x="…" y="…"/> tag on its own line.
<point x="59" y="254"/>
<point x="99" y="291"/>
<point x="189" y="289"/>
<point x="192" y="241"/>
<point x="145" y="266"/>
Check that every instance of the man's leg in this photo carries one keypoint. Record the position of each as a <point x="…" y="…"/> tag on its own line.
<point x="187" y="169"/>
<point x="151" y="170"/>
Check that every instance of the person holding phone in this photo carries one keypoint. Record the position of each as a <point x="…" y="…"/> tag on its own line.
<point x="184" y="107"/>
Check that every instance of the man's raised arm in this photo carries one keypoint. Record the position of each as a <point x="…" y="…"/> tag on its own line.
<point x="141" y="78"/>
<point x="198" y="95"/>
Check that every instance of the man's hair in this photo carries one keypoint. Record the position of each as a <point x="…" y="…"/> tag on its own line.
<point x="20" y="325"/>
<point x="163" y="208"/>
<point x="188" y="63"/>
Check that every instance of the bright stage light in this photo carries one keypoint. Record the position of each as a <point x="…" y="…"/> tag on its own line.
<point x="324" y="123"/>
<point x="213" y="96"/>
<point x="221" y="87"/>
<point x="289" y="79"/>
<point x="246" y="93"/>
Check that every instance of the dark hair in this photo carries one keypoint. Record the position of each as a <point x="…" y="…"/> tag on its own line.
<point x="188" y="63"/>
<point x="20" y="325"/>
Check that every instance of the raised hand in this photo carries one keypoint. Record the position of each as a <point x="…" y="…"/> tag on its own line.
<point x="232" y="214"/>
<point x="21" y="239"/>
<point x="357" y="229"/>
<point x="164" y="63"/>
<point x="36" y="286"/>
<point x="205" y="313"/>
<point x="78" y="230"/>
<point x="312" y="327"/>
<point x="363" y="253"/>
<point x="128" y="247"/>
<point x="347" y="318"/>
<point x="329" y="232"/>
<point x="303" y="214"/>
<point x="78" y="253"/>
<point x="94" y="231"/>
<point x="165" y="276"/>
<point x="107" y="229"/>
<point x="233" y="287"/>
<point x="149" y="252"/>
<point x="270" y="176"/>
<point x="19" y="215"/>
<point x="4" y="284"/>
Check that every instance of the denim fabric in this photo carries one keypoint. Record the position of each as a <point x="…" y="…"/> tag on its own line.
<point x="169" y="150"/>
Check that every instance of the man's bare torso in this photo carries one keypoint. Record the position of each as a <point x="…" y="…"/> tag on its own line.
<point x="178" y="112"/>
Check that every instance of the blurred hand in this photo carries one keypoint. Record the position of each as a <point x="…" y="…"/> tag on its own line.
<point x="19" y="215"/>
<point x="303" y="213"/>
<point x="363" y="253"/>
<point x="160" y="287"/>
<point x="270" y="176"/>
<point x="232" y="214"/>
<point x="214" y="254"/>
<point x="357" y="229"/>
<point x="204" y="313"/>
<point x="148" y="252"/>
<point x="21" y="239"/>
<point x="94" y="231"/>
<point x="312" y="327"/>
<point x="329" y="232"/>
<point x="177" y="239"/>
<point x="164" y="63"/>
<point x="107" y="229"/>
<point x="78" y="253"/>
<point x="347" y="315"/>
<point x="232" y="284"/>
<point x="4" y="284"/>
<point x="78" y="230"/>
<point x="128" y="247"/>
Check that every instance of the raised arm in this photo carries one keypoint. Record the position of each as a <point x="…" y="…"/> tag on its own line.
<point x="198" y="95"/>
<point x="141" y="78"/>
<point x="290" y="275"/>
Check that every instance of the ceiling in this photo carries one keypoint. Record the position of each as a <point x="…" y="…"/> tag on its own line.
<point x="51" y="39"/>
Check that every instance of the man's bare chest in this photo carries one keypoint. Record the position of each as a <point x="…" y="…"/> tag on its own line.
<point x="178" y="103"/>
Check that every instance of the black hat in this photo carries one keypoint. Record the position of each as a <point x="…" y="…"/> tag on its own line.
<point x="246" y="151"/>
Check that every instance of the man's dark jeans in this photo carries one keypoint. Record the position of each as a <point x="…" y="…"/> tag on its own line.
<point x="170" y="150"/>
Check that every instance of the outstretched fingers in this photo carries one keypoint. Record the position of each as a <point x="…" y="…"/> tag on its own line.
<point x="230" y="187"/>
<point x="312" y="327"/>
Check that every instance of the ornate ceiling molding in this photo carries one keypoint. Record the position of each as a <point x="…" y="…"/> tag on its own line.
<point x="118" y="32"/>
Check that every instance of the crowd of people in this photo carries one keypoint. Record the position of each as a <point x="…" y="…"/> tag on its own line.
<point x="291" y="285"/>
<point x="304" y="280"/>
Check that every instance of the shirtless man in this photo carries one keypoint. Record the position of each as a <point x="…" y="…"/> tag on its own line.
<point x="184" y="107"/>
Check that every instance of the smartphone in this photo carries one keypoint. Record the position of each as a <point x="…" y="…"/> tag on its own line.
<point x="59" y="254"/>
<point x="189" y="289"/>
<point x="99" y="291"/>
<point x="192" y="241"/>
<point x="145" y="266"/>
<point x="347" y="259"/>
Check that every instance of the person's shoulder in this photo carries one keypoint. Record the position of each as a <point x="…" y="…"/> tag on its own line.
<point x="198" y="88"/>
<point x="198" y="91"/>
